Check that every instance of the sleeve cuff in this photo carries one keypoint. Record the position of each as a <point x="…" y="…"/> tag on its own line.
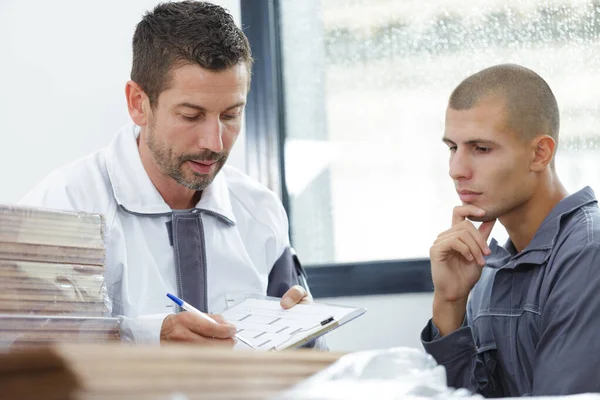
<point x="319" y="344"/>
<point x="144" y="329"/>
<point x="447" y="348"/>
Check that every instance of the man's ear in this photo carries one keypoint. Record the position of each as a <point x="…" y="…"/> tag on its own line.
<point x="543" y="148"/>
<point x="137" y="103"/>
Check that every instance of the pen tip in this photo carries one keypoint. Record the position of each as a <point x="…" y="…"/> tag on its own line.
<point x="175" y="299"/>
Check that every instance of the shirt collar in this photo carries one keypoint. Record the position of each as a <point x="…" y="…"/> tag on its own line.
<point x="135" y="192"/>
<point x="545" y="237"/>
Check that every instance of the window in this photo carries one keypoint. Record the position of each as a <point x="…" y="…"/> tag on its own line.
<point x="365" y="87"/>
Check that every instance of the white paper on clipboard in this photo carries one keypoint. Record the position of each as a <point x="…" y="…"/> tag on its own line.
<point x="262" y="321"/>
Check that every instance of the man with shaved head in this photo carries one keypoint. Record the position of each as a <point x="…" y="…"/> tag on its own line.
<point x="523" y="318"/>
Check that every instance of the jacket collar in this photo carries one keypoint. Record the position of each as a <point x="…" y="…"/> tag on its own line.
<point x="544" y="239"/>
<point x="135" y="192"/>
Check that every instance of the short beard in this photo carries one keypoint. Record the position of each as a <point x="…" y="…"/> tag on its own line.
<point x="172" y="164"/>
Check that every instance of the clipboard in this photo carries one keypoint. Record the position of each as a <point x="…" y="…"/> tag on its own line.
<point x="262" y="322"/>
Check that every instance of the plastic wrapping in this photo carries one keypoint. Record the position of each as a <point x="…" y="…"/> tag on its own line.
<point x="392" y="374"/>
<point x="36" y="234"/>
<point x="19" y="331"/>
<point x="52" y="284"/>
<point x="397" y="373"/>
<point x="52" y="289"/>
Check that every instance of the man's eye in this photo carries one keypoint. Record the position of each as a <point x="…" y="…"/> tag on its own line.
<point x="190" y="118"/>
<point x="483" y="149"/>
<point x="452" y="149"/>
<point x="230" y="117"/>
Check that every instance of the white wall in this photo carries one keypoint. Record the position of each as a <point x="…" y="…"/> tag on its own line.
<point x="390" y="321"/>
<point x="63" y="68"/>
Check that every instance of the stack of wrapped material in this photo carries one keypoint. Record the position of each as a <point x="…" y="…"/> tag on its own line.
<point x="52" y="278"/>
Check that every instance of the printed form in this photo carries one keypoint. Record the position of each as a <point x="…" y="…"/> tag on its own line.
<point x="267" y="326"/>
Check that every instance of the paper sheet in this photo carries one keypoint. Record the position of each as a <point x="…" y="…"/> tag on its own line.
<point x="266" y="325"/>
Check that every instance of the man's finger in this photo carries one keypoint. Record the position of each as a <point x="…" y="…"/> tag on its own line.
<point x="486" y="228"/>
<point x="467" y="238"/>
<point x="470" y="236"/>
<point x="465" y="224"/>
<point x="219" y="331"/>
<point x="206" y="328"/>
<point x="218" y="318"/>
<point x="460" y="213"/>
<point x="189" y="336"/>
<point x="479" y="238"/>
<point x="454" y="244"/>
<point x="293" y="296"/>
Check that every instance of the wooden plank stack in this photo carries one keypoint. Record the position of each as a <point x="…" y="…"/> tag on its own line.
<point x="52" y="278"/>
<point x="124" y="372"/>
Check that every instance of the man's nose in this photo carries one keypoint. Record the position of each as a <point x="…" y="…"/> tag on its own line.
<point x="460" y="166"/>
<point x="211" y="135"/>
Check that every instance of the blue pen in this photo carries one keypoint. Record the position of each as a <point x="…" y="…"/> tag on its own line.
<point x="191" y="308"/>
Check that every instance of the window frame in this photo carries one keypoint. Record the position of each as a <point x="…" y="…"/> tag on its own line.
<point x="265" y="139"/>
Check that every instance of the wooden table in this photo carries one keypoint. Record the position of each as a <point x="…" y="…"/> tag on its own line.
<point x="118" y="371"/>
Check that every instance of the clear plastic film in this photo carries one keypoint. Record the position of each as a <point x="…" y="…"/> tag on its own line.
<point x="18" y="330"/>
<point x="37" y="234"/>
<point x="52" y="285"/>
<point x="397" y="373"/>
<point x="391" y="374"/>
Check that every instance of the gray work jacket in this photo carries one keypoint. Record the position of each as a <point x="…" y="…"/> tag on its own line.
<point x="533" y="319"/>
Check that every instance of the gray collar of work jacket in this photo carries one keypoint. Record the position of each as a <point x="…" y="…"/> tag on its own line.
<point x="540" y="248"/>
